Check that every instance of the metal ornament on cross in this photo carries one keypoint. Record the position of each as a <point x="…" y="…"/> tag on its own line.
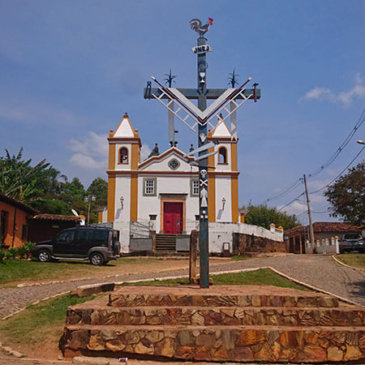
<point x="189" y="113"/>
<point x="197" y="118"/>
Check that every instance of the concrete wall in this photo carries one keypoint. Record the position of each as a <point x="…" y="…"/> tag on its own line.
<point x="219" y="233"/>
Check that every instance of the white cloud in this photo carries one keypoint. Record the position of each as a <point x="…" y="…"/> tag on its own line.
<point x="343" y="97"/>
<point x="297" y="207"/>
<point x="91" y="153"/>
<point x="145" y="151"/>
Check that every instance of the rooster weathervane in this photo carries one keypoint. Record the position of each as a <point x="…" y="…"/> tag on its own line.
<point x="196" y="25"/>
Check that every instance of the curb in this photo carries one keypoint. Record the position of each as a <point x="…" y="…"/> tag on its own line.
<point x="348" y="266"/>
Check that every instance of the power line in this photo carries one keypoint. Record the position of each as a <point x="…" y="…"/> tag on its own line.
<point x="341" y="147"/>
<point x="357" y="155"/>
<point x="292" y="201"/>
<point x="293" y="186"/>
<point x="318" y="190"/>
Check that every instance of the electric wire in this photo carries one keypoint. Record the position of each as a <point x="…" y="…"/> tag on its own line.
<point x="328" y="184"/>
<point x="341" y="147"/>
<point x="340" y="174"/>
<point x="293" y="186"/>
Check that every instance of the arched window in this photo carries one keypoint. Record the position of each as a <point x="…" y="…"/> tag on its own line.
<point x="123" y="155"/>
<point x="222" y="155"/>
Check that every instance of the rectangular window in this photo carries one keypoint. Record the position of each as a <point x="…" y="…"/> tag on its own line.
<point x="149" y="187"/>
<point x="24" y="232"/>
<point x="194" y="187"/>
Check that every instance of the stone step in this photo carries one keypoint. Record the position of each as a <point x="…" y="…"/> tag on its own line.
<point x="211" y="316"/>
<point x="233" y="343"/>
<point x="120" y="299"/>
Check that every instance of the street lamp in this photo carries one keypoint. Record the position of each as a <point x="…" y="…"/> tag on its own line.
<point x="360" y="141"/>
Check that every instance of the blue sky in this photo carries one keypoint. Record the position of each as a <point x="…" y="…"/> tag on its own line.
<point x="70" y="69"/>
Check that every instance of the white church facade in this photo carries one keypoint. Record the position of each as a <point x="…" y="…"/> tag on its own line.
<point x="161" y="193"/>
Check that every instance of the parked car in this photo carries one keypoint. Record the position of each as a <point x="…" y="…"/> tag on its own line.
<point x="352" y="242"/>
<point x="97" y="244"/>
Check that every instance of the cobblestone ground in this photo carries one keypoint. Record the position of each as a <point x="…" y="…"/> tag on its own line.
<point x="319" y="271"/>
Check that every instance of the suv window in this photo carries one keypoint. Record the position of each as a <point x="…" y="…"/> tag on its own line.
<point x="352" y="236"/>
<point x="101" y="236"/>
<point x="85" y="235"/>
<point x="66" y="236"/>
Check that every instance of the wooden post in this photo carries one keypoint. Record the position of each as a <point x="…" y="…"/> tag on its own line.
<point x="192" y="256"/>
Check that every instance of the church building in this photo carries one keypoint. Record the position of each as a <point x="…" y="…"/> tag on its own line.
<point x="161" y="193"/>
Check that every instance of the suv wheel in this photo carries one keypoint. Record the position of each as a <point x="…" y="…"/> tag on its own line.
<point x="97" y="259"/>
<point x="44" y="256"/>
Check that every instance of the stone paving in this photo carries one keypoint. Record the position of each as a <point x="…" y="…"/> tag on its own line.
<point x="319" y="271"/>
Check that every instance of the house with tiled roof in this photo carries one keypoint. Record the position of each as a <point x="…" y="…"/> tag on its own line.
<point x="14" y="221"/>
<point x="298" y="237"/>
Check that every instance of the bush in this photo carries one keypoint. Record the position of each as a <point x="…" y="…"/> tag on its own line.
<point x="22" y="252"/>
<point x="12" y="253"/>
<point x="26" y="250"/>
<point x="2" y="255"/>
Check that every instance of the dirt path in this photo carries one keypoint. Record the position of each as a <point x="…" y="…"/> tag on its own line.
<point x="319" y="271"/>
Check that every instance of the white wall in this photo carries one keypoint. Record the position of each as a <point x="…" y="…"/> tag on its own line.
<point x="122" y="188"/>
<point x="222" y="232"/>
<point x="124" y="166"/>
<point x="169" y="184"/>
<point x="124" y="234"/>
<point x="223" y="190"/>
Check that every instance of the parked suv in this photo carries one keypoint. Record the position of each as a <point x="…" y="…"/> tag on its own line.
<point x="352" y="242"/>
<point x="97" y="244"/>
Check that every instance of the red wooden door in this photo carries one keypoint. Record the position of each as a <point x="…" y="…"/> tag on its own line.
<point x="172" y="218"/>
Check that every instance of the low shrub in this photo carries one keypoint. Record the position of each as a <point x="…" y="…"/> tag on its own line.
<point x="12" y="253"/>
<point x="2" y="255"/>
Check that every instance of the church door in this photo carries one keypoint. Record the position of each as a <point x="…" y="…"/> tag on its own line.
<point x="172" y="222"/>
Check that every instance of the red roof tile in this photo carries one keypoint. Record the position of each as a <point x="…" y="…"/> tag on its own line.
<point x="56" y="217"/>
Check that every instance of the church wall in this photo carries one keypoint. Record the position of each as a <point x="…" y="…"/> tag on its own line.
<point x="163" y="165"/>
<point x="227" y="166"/>
<point x="124" y="235"/>
<point x="223" y="190"/>
<point x="167" y="185"/>
<point x="122" y="189"/>
<point x="124" y="166"/>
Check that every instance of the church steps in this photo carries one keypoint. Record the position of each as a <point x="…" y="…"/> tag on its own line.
<point x="255" y="300"/>
<point x="216" y="316"/>
<point x="234" y="343"/>
<point x="222" y="323"/>
<point x="165" y="242"/>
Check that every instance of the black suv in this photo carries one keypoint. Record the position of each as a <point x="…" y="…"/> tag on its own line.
<point x="97" y="244"/>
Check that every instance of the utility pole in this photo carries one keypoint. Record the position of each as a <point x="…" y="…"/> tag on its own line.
<point x="311" y="232"/>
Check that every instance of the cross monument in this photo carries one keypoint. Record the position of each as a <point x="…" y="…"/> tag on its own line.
<point x="197" y="118"/>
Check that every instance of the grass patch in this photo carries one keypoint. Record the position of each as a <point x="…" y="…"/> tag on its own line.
<point x="41" y="322"/>
<point x="239" y="258"/>
<point x="257" y="277"/>
<point x="353" y="259"/>
<point x="24" y="270"/>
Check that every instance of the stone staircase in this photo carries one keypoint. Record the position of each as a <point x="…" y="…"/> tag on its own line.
<point x="230" y="323"/>
<point x="165" y="243"/>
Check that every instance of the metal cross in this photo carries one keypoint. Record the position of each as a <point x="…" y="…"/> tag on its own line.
<point x="226" y="103"/>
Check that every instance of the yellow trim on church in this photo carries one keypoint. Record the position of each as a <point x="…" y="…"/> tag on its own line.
<point x="111" y="165"/>
<point x="111" y="198"/>
<point x="134" y="197"/>
<point x="234" y="164"/>
<point x="211" y="188"/>
<point x="234" y="198"/>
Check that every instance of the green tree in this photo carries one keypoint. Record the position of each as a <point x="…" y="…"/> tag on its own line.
<point x="19" y="180"/>
<point x="99" y="189"/>
<point x="97" y="195"/>
<point x="347" y="196"/>
<point x="263" y="216"/>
